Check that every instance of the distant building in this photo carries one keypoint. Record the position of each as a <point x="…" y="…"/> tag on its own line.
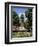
<point x="20" y="17"/>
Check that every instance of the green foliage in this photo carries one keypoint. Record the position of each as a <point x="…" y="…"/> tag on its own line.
<point x="30" y="10"/>
<point x="15" y="18"/>
<point x="28" y="14"/>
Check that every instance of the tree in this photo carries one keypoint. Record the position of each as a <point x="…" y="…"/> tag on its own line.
<point x="15" y="18"/>
<point x="28" y="14"/>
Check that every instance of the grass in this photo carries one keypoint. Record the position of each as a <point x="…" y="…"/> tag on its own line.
<point x="21" y="34"/>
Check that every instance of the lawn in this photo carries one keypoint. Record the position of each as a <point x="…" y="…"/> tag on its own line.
<point x="21" y="34"/>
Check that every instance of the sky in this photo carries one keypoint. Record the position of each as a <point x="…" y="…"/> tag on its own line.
<point x="19" y="9"/>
